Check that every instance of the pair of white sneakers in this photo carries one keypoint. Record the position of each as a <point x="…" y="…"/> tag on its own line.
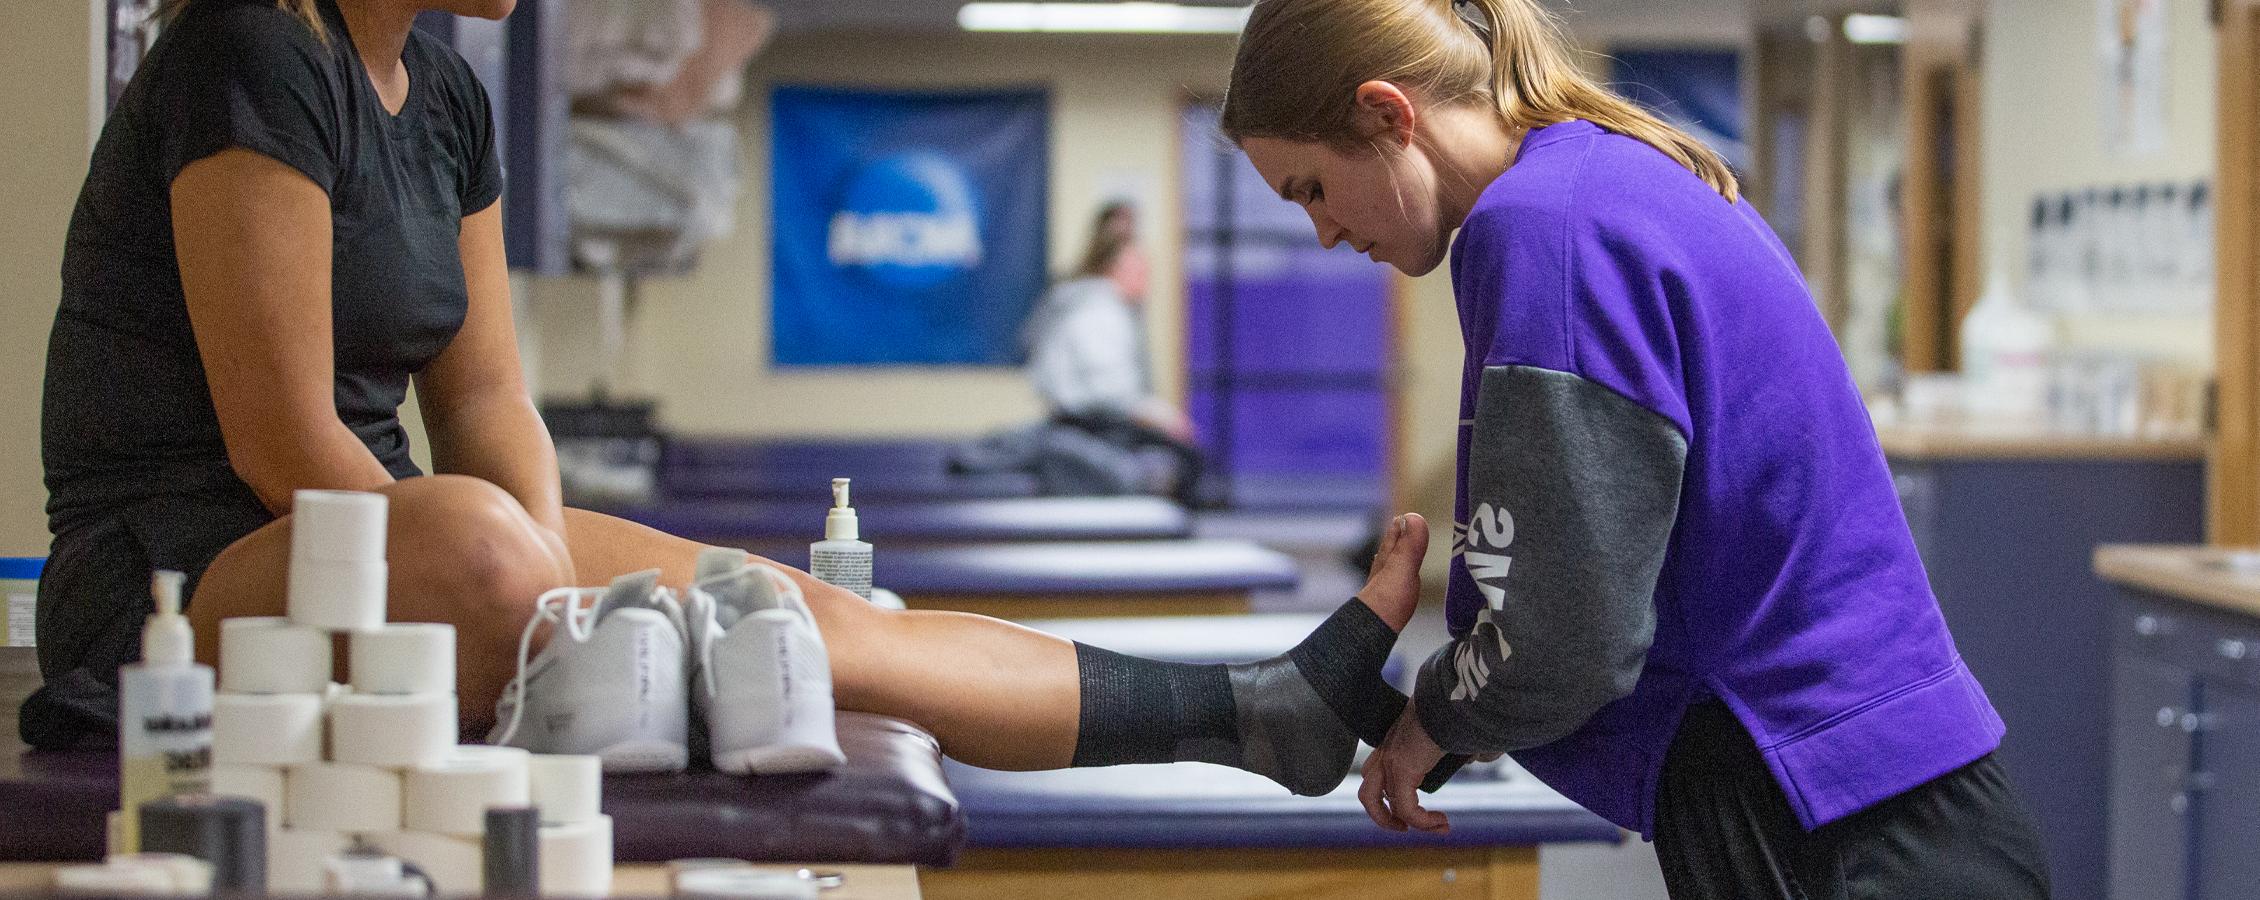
<point x="734" y="670"/>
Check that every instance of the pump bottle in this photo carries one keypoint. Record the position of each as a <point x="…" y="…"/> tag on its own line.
<point x="840" y="559"/>
<point x="164" y="714"/>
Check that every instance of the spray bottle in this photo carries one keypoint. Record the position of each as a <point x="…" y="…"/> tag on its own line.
<point x="164" y="713"/>
<point x="839" y="559"/>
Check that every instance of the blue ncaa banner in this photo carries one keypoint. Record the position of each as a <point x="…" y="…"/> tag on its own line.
<point x="906" y="228"/>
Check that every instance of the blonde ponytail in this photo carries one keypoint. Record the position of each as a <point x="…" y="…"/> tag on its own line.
<point x="307" y="11"/>
<point x="1300" y="61"/>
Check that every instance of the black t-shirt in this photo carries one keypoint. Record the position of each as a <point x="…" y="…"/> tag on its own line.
<point x="127" y="413"/>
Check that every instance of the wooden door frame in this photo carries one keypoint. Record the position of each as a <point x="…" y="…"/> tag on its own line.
<point x="2233" y="486"/>
<point x="1941" y="273"/>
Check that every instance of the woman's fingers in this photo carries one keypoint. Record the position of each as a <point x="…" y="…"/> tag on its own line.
<point x="1393" y="587"/>
<point x="1369" y="792"/>
<point x="1400" y="788"/>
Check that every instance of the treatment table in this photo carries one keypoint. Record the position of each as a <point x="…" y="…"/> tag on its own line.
<point x="1084" y="579"/>
<point x="803" y="470"/>
<point x="1200" y="831"/>
<point x="772" y="526"/>
<point x="887" y="805"/>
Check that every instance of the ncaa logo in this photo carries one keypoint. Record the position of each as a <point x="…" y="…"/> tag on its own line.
<point x="907" y="221"/>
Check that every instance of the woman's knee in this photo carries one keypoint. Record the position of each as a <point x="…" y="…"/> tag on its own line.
<point x="469" y="545"/>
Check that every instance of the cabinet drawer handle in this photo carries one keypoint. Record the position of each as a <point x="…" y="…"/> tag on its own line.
<point x="2179" y="803"/>
<point x="2196" y="722"/>
<point x="2167" y="715"/>
<point x="2230" y="648"/>
<point x="2147" y="626"/>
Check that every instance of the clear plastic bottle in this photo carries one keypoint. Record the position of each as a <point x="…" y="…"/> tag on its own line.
<point x="164" y="713"/>
<point x="840" y="559"/>
<point x="2005" y="349"/>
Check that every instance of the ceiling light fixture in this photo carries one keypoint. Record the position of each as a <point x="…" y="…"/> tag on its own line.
<point x="1117" y="18"/>
<point x="1860" y="28"/>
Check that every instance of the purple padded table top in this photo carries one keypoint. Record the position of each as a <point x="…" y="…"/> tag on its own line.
<point x="1183" y="806"/>
<point x="1055" y="569"/>
<point x="745" y="522"/>
<point x="803" y="469"/>
<point x="888" y="805"/>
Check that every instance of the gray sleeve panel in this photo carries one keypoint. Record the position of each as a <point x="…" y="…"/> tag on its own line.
<point x="1572" y="492"/>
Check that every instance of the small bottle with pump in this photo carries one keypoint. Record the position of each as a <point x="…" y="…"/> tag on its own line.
<point x="840" y="559"/>
<point x="164" y="713"/>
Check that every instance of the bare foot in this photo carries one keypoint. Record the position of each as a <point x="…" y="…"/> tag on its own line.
<point x="1392" y="589"/>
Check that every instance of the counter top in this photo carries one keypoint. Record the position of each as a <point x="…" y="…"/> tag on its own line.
<point x="2227" y="579"/>
<point x="1962" y="442"/>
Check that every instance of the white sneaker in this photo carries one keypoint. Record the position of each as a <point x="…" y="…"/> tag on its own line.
<point x="610" y="683"/>
<point x="763" y="682"/>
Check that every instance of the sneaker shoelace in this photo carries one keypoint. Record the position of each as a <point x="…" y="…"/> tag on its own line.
<point x="577" y="621"/>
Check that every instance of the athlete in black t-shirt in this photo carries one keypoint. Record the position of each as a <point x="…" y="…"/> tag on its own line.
<point x="290" y="218"/>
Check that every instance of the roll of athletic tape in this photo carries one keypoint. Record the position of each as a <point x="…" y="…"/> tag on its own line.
<point x="138" y="874"/>
<point x="392" y="731"/>
<point x="266" y="729"/>
<point x="337" y="595"/>
<point x="403" y="658"/>
<point x="567" y="789"/>
<point x="576" y="859"/>
<point x="261" y="784"/>
<point x="453" y="863"/>
<point x="746" y="883"/>
<point x="337" y="526"/>
<point x="450" y="795"/>
<point x="273" y="655"/>
<point x="344" y="797"/>
<point x="295" y="859"/>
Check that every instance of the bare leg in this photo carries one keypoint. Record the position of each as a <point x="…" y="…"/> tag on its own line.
<point x="996" y="694"/>
<point x="461" y="551"/>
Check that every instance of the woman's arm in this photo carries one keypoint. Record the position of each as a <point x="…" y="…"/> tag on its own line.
<point x="476" y="410"/>
<point x="253" y="239"/>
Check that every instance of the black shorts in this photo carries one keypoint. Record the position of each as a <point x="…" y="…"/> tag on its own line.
<point x="94" y="596"/>
<point x="1724" y="830"/>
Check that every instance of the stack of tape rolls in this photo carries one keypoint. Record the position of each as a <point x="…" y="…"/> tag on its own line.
<point x="377" y="764"/>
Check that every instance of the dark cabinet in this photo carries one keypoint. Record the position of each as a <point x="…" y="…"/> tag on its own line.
<point x="2185" y="753"/>
<point x="2149" y="798"/>
<point x="2009" y="546"/>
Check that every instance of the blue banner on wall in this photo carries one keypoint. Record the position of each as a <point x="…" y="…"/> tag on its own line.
<point x="907" y="228"/>
<point x="1698" y="90"/>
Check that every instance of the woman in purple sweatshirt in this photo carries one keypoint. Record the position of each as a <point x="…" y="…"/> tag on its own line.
<point x="1683" y="591"/>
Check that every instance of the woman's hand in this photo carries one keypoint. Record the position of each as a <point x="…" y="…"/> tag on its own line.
<point x="1392" y="776"/>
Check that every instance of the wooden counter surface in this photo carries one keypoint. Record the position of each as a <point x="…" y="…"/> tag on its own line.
<point x="2226" y="579"/>
<point x="631" y="880"/>
<point x="1942" y="442"/>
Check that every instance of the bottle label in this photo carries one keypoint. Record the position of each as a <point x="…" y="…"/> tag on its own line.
<point x="848" y="570"/>
<point x="164" y="741"/>
<point x="22" y="613"/>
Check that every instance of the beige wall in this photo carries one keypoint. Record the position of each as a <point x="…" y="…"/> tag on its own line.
<point x="2044" y="133"/>
<point x="700" y="344"/>
<point x="46" y="106"/>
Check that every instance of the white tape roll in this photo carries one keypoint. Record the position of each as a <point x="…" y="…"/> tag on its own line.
<point x="266" y="729"/>
<point x="263" y="784"/>
<point x="450" y="795"/>
<point x="337" y="526"/>
<point x="337" y="595"/>
<point x="341" y="797"/>
<point x="295" y="858"/>
<point x="273" y="655"/>
<point x="576" y="859"/>
<point x="457" y="865"/>
<point x="745" y="883"/>
<point x="403" y="658"/>
<point x="392" y="731"/>
<point x="568" y="789"/>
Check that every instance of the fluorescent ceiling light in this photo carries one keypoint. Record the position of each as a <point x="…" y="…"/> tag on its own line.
<point x="1131" y="17"/>
<point x="1860" y="28"/>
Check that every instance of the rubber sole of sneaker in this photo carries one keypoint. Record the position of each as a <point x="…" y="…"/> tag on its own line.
<point x="644" y="756"/>
<point x="776" y="761"/>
